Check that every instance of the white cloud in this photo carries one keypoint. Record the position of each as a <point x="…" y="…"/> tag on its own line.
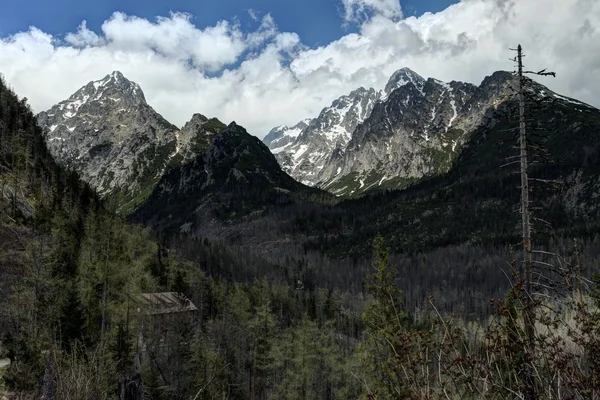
<point x="176" y="38"/>
<point x="267" y="77"/>
<point x="267" y="30"/>
<point x="358" y="10"/>
<point x="253" y="14"/>
<point x="84" y="37"/>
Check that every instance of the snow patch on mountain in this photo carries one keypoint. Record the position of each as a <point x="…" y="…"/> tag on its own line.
<point x="111" y="144"/>
<point x="303" y="149"/>
<point x="373" y="137"/>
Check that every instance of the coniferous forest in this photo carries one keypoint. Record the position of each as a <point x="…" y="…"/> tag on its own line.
<point x="420" y="307"/>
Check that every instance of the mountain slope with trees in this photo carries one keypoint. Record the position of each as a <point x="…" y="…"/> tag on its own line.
<point x="235" y="178"/>
<point x="303" y="283"/>
<point x="431" y="214"/>
<point x="465" y="217"/>
<point x="65" y="278"/>
<point x="70" y="271"/>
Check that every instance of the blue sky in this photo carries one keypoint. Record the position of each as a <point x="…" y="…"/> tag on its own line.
<point x="287" y="59"/>
<point x="317" y="22"/>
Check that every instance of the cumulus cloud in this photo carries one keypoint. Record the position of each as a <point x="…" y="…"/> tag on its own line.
<point x="176" y="38"/>
<point x="358" y="10"/>
<point x="266" y="77"/>
<point x="84" y="37"/>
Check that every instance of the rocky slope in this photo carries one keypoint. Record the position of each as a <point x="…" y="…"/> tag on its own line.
<point x="283" y="135"/>
<point x="233" y="178"/>
<point x="118" y="143"/>
<point x="303" y="150"/>
<point x="236" y="193"/>
<point x="412" y="129"/>
<point x="417" y="131"/>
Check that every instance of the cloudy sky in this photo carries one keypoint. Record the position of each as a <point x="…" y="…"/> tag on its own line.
<point x="264" y="63"/>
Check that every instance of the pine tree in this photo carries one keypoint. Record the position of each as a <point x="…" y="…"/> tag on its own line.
<point x="262" y="331"/>
<point x="386" y="350"/>
<point x="72" y="320"/>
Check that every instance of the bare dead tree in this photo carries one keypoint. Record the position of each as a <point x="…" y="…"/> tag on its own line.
<point x="526" y="269"/>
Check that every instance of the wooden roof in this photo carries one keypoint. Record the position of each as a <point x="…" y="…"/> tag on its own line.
<point x="165" y="303"/>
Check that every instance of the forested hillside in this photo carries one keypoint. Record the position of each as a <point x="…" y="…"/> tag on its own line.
<point x="74" y="326"/>
<point x="67" y="266"/>
<point x="449" y="235"/>
<point x="70" y="274"/>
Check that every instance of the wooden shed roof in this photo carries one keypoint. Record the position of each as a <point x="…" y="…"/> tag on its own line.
<point x="165" y="303"/>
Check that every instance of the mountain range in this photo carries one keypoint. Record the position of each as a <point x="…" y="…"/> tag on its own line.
<point x="214" y="192"/>
<point x="445" y="140"/>
<point x="207" y="211"/>
<point x="412" y="129"/>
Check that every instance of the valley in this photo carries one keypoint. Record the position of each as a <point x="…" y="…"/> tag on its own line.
<point x="219" y="183"/>
<point x="296" y="245"/>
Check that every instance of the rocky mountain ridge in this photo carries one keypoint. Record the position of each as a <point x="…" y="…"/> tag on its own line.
<point x="417" y="131"/>
<point x="120" y="145"/>
<point x="234" y="178"/>
<point x="413" y="128"/>
<point x="303" y="150"/>
<point x="236" y="193"/>
<point x="230" y="188"/>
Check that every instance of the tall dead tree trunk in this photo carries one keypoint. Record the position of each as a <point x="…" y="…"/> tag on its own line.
<point x="526" y="269"/>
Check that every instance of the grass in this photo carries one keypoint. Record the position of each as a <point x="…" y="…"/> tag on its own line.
<point x="131" y="205"/>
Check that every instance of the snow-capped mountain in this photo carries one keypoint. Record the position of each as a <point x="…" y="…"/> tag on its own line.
<point x="280" y="137"/>
<point x="412" y="128"/>
<point x="400" y="78"/>
<point x="417" y="129"/>
<point x="303" y="150"/>
<point x="116" y="142"/>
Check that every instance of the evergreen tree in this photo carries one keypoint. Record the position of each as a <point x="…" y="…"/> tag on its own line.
<point x="386" y="350"/>
<point x="72" y="320"/>
<point x="262" y="331"/>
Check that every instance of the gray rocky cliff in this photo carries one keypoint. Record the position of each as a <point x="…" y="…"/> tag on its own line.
<point x="109" y="134"/>
<point x="304" y="153"/>
<point x="117" y="142"/>
<point x="414" y="127"/>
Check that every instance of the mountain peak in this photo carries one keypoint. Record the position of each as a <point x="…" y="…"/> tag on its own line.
<point x="358" y="91"/>
<point x="401" y="77"/>
<point x="112" y="93"/>
<point x="283" y="135"/>
<point x="107" y="132"/>
<point x="118" y="84"/>
<point x="192" y="126"/>
<point x="195" y="136"/>
<point x="405" y="71"/>
<point x="498" y="77"/>
<point x="317" y="139"/>
<point x="197" y="118"/>
<point x="200" y="124"/>
<point x="115" y="78"/>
